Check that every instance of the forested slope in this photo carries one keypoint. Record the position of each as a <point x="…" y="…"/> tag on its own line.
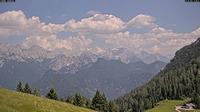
<point x="179" y="79"/>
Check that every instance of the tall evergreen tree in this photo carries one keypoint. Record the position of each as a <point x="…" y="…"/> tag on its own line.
<point x="27" y="88"/>
<point x="78" y="100"/>
<point x="99" y="102"/>
<point x="52" y="94"/>
<point x="19" y="87"/>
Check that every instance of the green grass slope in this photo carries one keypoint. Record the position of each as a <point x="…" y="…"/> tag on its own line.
<point x="11" y="101"/>
<point x="169" y="106"/>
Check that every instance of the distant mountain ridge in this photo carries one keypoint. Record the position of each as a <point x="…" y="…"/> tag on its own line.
<point x="111" y="76"/>
<point x="80" y="78"/>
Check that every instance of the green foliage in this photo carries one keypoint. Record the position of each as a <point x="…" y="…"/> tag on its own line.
<point x="196" y="100"/>
<point x="11" y="101"/>
<point x="52" y="94"/>
<point x="19" y="87"/>
<point x="99" y="102"/>
<point x="78" y="100"/>
<point x="27" y="89"/>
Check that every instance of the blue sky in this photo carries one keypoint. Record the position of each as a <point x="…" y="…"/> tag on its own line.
<point x="154" y="26"/>
<point x="173" y="14"/>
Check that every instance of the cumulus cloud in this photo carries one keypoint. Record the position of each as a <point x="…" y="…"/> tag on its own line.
<point x="157" y="40"/>
<point x="196" y="32"/>
<point x="98" y="23"/>
<point x="53" y="43"/>
<point x="14" y="23"/>
<point x="142" y="21"/>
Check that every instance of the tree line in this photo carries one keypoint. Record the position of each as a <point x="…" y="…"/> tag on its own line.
<point x="27" y="89"/>
<point x="99" y="102"/>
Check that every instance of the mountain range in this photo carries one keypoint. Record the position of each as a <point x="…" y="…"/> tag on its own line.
<point x="115" y="73"/>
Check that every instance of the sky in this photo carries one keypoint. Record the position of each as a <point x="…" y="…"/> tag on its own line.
<point x="153" y="26"/>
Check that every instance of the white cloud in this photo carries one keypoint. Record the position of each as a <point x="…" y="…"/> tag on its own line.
<point x="160" y="30"/>
<point x="142" y="21"/>
<point x="14" y="23"/>
<point x="53" y="43"/>
<point x="156" y="40"/>
<point x="196" y="32"/>
<point x="98" y="23"/>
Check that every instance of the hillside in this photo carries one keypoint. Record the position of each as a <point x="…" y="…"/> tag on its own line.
<point x="179" y="79"/>
<point x="185" y="55"/>
<point x="11" y="101"/>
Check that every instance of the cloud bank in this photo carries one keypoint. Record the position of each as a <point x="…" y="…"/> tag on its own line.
<point x="86" y="33"/>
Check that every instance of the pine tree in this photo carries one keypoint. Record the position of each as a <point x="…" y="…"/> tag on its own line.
<point x="19" y="87"/>
<point x="96" y="101"/>
<point x="105" y="103"/>
<point x="52" y="94"/>
<point x="99" y="102"/>
<point x="78" y="100"/>
<point x="27" y="88"/>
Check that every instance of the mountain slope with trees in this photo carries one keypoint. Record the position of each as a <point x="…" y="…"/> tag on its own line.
<point x="179" y="79"/>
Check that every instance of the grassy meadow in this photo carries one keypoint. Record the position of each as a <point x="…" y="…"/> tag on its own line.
<point x="169" y="106"/>
<point x="11" y="101"/>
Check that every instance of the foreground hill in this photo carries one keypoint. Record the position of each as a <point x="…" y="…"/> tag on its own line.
<point x="180" y="78"/>
<point x="19" y="102"/>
